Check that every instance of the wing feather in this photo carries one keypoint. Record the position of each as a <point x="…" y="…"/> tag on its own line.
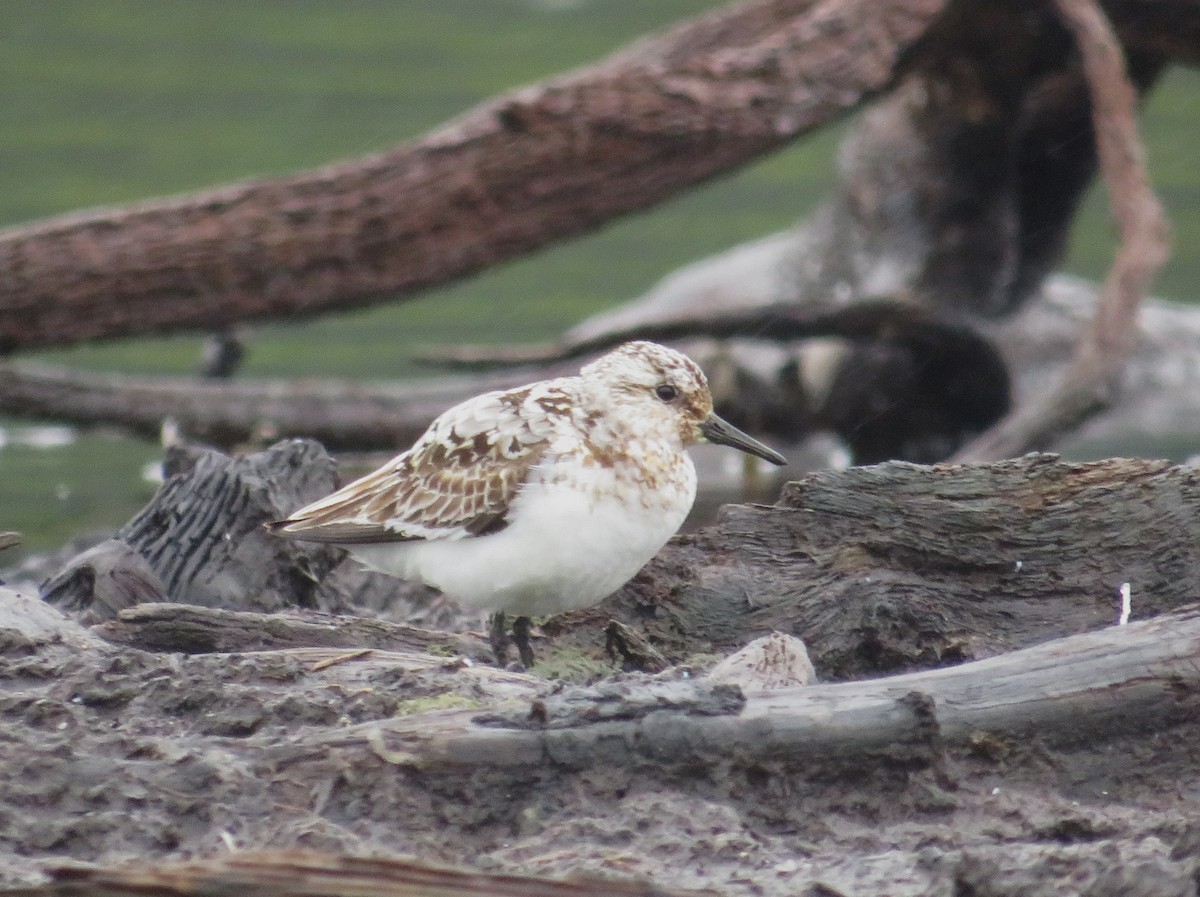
<point x="457" y="481"/>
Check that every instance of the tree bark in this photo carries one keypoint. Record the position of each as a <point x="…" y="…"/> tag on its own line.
<point x="889" y="567"/>
<point x="516" y="173"/>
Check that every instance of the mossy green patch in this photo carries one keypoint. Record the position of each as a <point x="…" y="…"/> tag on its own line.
<point x="445" y="701"/>
<point x="571" y="665"/>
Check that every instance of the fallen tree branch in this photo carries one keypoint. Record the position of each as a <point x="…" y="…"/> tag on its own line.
<point x="1092" y="381"/>
<point x="866" y="320"/>
<point x="191" y="629"/>
<point x="519" y="172"/>
<point x="962" y="384"/>
<point x="342" y="415"/>
<point x="1117" y="677"/>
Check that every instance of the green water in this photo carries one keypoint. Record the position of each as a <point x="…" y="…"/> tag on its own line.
<point x="106" y="102"/>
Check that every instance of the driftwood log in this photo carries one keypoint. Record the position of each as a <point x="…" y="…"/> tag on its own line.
<point x="878" y="569"/>
<point x="1161" y="393"/>
<point x="519" y="172"/>
<point x="525" y="169"/>
<point x="1058" y="767"/>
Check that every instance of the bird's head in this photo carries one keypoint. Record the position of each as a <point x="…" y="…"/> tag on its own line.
<point x="659" y="390"/>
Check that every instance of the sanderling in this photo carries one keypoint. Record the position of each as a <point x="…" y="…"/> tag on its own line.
<point x="540" y="499"/>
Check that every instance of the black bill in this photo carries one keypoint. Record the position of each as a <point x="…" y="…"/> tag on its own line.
<point x="723" y="433"/>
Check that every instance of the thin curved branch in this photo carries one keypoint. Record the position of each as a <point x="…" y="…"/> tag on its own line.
<point x="1092" y="380"/>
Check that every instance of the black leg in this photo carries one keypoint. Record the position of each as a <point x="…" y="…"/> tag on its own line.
<point x="499" y="638"/>
<point x="520" y="636"/>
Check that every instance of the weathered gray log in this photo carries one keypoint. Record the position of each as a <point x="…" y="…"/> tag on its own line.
<point x="201" y="538"/>
<point x="897" y="565"/>
<point x="343" y="415"/>
<point x="1117" y="679"/>
<point x="1161" y="393"/>
<point x="192" y="629"/>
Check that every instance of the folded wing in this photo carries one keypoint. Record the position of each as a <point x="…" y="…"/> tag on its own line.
<point x="458" y="481"/>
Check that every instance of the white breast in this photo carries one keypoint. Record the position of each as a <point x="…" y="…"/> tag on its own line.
<point x="570" y="542"/>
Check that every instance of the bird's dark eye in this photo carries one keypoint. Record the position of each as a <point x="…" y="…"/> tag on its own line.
<point x="666" y="392"/>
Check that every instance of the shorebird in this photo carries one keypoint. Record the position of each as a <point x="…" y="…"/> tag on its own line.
<point x="536" y="500"/>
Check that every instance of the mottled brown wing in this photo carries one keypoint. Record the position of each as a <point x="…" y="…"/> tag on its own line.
<point x="457" y="481"/>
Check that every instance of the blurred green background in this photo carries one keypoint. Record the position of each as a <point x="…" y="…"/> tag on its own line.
<point x="111" y="101"/>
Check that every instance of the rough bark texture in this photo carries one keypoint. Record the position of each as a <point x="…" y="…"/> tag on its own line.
<point x="205" y="520"/>
<point x="893" y="566"/>
<point x="1059" y="768"/>
<point x="518" y="172"/>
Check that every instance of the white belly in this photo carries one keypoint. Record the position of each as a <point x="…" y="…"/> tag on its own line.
<point x="563" y="549"/>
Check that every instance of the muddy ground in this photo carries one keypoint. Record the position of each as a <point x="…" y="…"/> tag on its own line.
<point x="111" y="753"/>
<point x="114" y="755"/>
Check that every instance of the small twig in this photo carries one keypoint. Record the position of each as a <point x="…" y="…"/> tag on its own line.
<point x="8" y="540"/>
<point x="877" y="318"/>
<point x="341" y="658"/>
<point x="1092" y="379"/>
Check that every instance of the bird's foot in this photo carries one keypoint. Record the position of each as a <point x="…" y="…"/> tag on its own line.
<point x="498" y="636"/>
<point x="520" y="637"/>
